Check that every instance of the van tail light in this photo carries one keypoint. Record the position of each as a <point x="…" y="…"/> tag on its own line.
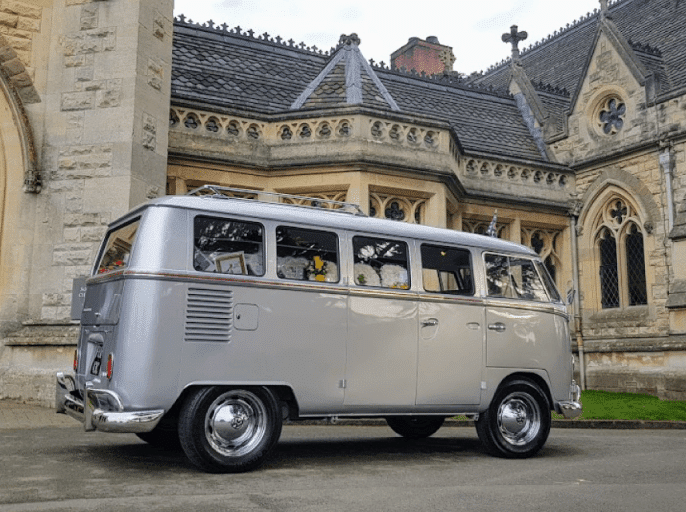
<point x="110" y="366"/>
<point x="76" y="360"/>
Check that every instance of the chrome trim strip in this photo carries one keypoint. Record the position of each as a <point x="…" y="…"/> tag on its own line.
<point x="334" y="288"/>
<point x="556" y="309"/>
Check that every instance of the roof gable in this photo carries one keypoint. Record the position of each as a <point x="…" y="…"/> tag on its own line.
<point x="347" y="76"/>
<point x="560" y="60"/>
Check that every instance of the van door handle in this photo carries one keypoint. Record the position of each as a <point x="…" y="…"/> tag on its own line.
<point x="431" y="322"/>
<point x="497" y="327"/>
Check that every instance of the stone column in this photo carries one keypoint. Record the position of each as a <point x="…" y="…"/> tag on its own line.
<point x="106" y="109"/>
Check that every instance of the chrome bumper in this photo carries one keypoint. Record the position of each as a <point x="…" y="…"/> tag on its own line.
<point x="102" y="409"/>
<point x="571" y="408"/>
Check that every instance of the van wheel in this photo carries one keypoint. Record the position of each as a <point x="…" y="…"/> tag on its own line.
<point x="415" y="427"/>
<point x="517" y="423"/>
<point x="226" y="430"/>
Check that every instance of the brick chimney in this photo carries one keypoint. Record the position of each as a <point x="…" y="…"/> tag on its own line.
<point x="427" y="55"/>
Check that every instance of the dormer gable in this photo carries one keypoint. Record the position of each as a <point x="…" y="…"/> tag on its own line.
<point x="608" y="108"/>
<point x="347" y="79"/>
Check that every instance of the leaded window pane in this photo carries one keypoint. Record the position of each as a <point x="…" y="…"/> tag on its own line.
<point x="635" y="266"/>
<point x="609" y="282"/>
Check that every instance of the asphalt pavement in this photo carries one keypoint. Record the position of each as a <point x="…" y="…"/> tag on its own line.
<point x="48" y="463"/>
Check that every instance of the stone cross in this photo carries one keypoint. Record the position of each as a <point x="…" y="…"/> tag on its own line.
<point x="514" y="37"/>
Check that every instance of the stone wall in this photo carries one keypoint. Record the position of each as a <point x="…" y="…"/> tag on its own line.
<point x="102" y="131"/>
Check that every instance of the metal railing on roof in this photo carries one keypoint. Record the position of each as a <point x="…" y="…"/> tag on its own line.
<point x="314" y="203"/>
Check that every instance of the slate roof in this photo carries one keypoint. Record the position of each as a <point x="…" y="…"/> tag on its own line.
<point x="652" y="24"/>
<point x="235" y="72"/>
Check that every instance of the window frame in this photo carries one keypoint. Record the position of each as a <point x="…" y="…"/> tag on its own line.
<point x="429" y="245"/>
<point x="514" y="285"/>
<point x="337" y="251"/>
<point x="221" y="218"/>
<point x="373" y="236"/>
<point x="620" y="236"/>
<point x="105" y="247"/>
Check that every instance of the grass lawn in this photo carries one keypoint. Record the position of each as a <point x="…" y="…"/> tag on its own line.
<point x="603" y="405"/>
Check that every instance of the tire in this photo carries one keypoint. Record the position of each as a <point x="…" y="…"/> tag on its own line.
<point x="415" y="427"/>
<point x="229" y="430"/>
<point x="517" y="423"/>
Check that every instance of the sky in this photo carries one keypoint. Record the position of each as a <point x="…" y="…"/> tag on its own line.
<point x="472" y="28"/>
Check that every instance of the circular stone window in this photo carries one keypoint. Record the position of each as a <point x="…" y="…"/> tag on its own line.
<point x="610" y="115"/>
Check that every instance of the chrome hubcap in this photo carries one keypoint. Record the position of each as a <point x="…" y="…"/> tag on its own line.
<point x="519" y="418"/>
<point x="235" y="423"/>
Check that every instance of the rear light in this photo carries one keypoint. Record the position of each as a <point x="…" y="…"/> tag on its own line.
<point x="110" y="366"/>
<point x="76" y="360"/>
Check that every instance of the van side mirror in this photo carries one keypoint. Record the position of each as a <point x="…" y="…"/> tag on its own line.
<point x="78" y="297"/>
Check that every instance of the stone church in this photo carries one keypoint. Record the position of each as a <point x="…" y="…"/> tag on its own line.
<point x="576" y="143"/>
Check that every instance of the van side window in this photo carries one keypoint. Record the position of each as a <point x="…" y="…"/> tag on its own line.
<point x="306" y="254"/>
<point x="228" y="246"/>
<point x="380" y="262"/>
<point x="446" y="270"/>
<point x="117" y="250"/>
<point x="513" y="278"/>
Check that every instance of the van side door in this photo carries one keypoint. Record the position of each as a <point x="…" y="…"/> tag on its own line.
<point x="381" y="362"/>
<point x="451" y="329"/>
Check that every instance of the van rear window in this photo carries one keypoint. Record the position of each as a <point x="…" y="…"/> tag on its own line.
<point x="228" y="246"/>
<point x="117" y="249"/>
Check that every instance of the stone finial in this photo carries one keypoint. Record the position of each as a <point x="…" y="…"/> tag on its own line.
<point x="604" y="9"/>
<point x="351" y="40"/>
<point x="514" y="37"/>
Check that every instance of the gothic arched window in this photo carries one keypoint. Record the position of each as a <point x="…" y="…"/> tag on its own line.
<point x="621" y="257"/>
<point x="546" y="244"/>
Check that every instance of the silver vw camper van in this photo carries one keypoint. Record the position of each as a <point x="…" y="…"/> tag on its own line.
<point x="210" y="319"/>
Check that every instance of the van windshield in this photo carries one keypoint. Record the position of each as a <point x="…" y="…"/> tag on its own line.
<point x="116" y="251"/>
<point x="514" y="278"/>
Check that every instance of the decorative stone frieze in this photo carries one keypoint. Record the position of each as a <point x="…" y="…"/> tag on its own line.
<point x="312" y="130"/>
<point x="403" y="134"/>
<point x="396" y="207"/>
<point x="516" y="174"/>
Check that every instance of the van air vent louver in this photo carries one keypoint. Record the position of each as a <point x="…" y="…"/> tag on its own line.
<point x="209" y="315"/>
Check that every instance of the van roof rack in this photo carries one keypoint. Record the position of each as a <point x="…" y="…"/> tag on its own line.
<point x="314" y="203"/>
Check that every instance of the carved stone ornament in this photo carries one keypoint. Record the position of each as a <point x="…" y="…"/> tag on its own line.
<point x="350" y="40"/>
<point x="576" y="208"/>
<point x="648" y="226"/>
